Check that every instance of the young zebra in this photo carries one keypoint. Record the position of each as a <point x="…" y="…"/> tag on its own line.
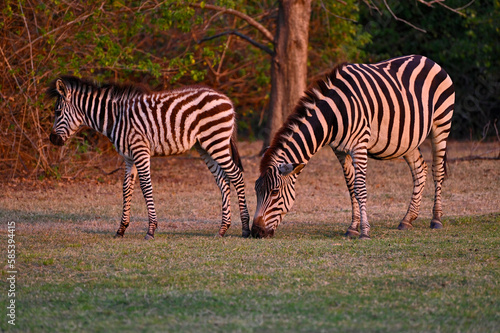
<point x="142" y="124"/>
<point x="383" y="110"/>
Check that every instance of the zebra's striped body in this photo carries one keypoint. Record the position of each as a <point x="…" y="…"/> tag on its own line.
<point x="142" y="124"/>
<point x="383" y="110"/>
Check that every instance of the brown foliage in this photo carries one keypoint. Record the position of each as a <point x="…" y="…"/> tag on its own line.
<point x="146" y="42"/>
<point x="152" y="42"/>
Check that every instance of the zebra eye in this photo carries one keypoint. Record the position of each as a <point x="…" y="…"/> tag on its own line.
<point x="58" y="113"/>
<point x="275" y="191"/>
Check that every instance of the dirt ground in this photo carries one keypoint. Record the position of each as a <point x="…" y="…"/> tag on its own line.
<point x="186" y="194"/>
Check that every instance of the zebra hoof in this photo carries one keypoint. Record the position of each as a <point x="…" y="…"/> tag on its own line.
<point x="149" y="237"/>
<point x="245" y="233"/>
<point x="405" y="226"/>
<point x="364" y="236"/>
<point x="221" y="233"/>
<point x="118" y="235"/>
<point x="436" y="224"/>
<point x="351" y="233"/>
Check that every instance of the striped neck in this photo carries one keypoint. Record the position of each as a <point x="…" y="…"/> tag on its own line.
<point x="305" y="132"/>
<point x="98" y="107"/>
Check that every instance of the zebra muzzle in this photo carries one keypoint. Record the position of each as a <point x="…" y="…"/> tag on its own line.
<point x="257" y="232"/>
<point x="56" y="139"/>
<point x="260" y="232"/>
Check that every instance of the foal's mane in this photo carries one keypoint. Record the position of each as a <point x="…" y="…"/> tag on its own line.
<point x="117" y="90"/>
<point x="295" y="118"/>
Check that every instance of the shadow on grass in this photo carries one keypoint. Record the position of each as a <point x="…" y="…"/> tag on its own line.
<point x="94" y="223"/>
<point x="166" y="228"/>
<point x="336" y="230"/>
<point x="106" y="226"/>
<point x="483" y="219"/>
<point x="37" y="216"/>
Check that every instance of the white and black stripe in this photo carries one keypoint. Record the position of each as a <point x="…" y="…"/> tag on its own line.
<point x="142" y="124"/>
<point x="384" y="111"/>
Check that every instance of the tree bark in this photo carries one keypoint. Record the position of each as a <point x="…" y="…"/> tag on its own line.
<point x="289" y="63"/>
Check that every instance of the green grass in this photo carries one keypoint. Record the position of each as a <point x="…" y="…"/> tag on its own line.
<point x="307" y="279"/>
<point x="74" y="277"/>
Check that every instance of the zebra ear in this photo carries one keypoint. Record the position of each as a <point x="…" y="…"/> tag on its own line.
<point x="62" y="89"/>
<point x="290" y="168"/>
<point x="263" y="151"/>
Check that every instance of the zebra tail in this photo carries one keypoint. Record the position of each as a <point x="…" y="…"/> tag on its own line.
<point x="234" y="154"/>
<point x="445" y="164"/>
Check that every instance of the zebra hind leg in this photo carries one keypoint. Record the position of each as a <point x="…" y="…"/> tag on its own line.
<point x="348" y="168"/>
<point x="236" y="178"/>
<point x="128" y="189"/>
<point x="233" y="174"/>
<point x="224" y="186"/>
<point x="418" y="169"/>
<point x="225" y="189"/>
<point x="439" y="174"/>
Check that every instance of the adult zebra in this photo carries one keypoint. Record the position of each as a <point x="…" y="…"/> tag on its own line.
<point x="142" y="124"/>
<point x="383" y="110"/>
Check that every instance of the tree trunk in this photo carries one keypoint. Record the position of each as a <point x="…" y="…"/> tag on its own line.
<point x="289" y="63"/>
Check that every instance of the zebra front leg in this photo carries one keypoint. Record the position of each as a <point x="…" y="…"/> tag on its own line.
<point x="142" y="163"/>
<point x="360" y="159"/>
<point x="128" y="189"/>
<point x="418" y="169"/>
<point x="348" y="169"/>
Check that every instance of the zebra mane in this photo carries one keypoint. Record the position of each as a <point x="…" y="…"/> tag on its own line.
<point x="118" y="90"/>
<point x="295" y="118"/>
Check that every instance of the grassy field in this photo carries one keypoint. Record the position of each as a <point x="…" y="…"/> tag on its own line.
<point x="73" y="276"/>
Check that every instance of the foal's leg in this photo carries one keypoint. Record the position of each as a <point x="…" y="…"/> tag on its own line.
<point x="235" y="175"/>
<point x="348" y="168"/>
<point x="142" y="162"/>
<point x="224" y="186"/>
<point x="128" y="189"/>
<point x="418" y="169"/>
<point x="223" y="160"/>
